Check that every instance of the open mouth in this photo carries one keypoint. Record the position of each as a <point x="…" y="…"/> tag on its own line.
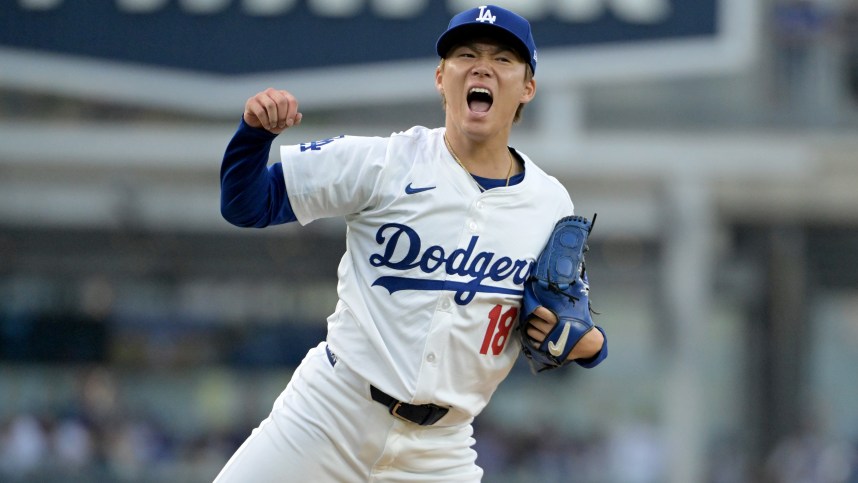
<point x="479" y="99"/>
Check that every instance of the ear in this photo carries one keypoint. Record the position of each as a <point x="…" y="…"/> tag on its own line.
<point x="439" y="77"/>
<point x="529" y="91"/>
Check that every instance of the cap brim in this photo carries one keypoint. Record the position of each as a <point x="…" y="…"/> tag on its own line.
<point x="472" y="31"/>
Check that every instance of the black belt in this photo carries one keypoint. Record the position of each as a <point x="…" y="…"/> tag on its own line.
<point x="423" y="414"/>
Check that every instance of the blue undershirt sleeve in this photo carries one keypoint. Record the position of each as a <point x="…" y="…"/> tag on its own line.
<point x="252" y="194"/>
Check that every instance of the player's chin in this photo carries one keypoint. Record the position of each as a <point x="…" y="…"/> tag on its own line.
<point x="480" y="123"/>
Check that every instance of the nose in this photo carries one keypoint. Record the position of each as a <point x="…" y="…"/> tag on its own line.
<point x="481" y="68"/>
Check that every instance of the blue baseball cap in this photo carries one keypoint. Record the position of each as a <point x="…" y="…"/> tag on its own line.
<point x="491" y="21"/>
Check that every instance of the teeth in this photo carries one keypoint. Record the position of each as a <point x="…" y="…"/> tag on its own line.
<point x="481" y="90"/>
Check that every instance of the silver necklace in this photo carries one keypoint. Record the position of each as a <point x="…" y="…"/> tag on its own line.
<point x="459" y="161"/>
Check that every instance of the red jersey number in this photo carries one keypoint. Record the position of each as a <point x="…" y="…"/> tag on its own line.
<point x="498" y="330"/>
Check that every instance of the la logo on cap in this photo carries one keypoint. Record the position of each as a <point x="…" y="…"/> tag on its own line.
<point x="486" y="15"/>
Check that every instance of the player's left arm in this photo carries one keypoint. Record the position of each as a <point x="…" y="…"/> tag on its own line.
<point x="588" y="352"/>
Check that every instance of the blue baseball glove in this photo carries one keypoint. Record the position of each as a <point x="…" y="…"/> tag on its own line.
<point x="559" y="283"/>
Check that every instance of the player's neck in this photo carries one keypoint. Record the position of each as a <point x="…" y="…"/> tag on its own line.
<point x="488" y="158"/>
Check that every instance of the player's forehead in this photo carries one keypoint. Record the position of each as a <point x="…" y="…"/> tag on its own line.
<point x="490" y="45"/>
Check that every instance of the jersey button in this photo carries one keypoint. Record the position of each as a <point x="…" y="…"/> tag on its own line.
<point x="473" y="226"/>
<point x="445" y="303"/>
<point x="430" y="357"/>
<point x="480" y="205"/>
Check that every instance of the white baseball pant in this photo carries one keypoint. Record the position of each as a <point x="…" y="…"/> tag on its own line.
<point x="324" y="427"/>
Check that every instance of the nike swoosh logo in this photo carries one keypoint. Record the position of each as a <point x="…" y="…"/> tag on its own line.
<point x="410" y="191"/>
<point x="556" y="350"/>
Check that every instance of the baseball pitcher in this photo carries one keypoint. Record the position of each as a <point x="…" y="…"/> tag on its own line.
<point x="461" y="254"/>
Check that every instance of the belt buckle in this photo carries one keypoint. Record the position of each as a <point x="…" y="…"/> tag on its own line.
<point x="395" y="412"/>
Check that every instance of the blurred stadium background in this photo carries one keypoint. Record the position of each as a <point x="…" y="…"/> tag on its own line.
<point x="142" y="337"/>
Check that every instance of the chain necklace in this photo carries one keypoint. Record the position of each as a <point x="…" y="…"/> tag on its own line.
<point x="459" y="161"/>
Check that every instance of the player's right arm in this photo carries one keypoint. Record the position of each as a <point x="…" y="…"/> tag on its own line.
<point x="253" y="194"/>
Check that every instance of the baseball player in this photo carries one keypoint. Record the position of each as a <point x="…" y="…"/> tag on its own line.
<point x="444" y="226"/>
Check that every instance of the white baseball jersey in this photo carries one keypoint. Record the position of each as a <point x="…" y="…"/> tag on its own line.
<point x="432" y="277"/>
